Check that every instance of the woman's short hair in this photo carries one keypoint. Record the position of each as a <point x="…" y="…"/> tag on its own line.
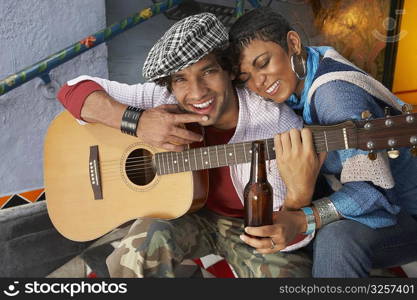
<point x="260" y="23"/>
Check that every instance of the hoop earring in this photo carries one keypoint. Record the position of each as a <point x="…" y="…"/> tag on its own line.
<point x="303" y="63"/>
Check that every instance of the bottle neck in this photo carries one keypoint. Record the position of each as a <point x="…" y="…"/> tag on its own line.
<point x="258" y="167"/>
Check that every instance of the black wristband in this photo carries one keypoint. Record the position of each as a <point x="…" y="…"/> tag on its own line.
<point x="130" y="120"/>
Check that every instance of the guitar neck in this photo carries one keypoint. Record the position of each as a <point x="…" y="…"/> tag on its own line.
<point x="325" y="138"/>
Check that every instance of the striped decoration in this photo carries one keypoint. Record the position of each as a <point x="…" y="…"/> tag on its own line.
<point x="22" y="198"/>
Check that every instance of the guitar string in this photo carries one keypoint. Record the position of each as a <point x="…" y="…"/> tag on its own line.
<point x="113" y="176"/>
<point x="128" y="164"/>
<point x="140" y="172"/>
<point x="149" y="162"/>
<point x="318" y="141"/>
<point x="174" y="169"/>
<point x="137" y="159"/>
<point x="329" y="137"/>
<point x="142" y="162"/>
<point x="206" y="148"/>
<point x="117" y="173"/>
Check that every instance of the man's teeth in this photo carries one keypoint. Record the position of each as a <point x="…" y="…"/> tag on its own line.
<point x="204" y="104"/>
<point x="273" y="87"/>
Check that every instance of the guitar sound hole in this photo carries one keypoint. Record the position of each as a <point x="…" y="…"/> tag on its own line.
<point x="139" y="167"/>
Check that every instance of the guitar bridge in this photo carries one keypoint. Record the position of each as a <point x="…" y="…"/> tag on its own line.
<point x="94" y="171"/>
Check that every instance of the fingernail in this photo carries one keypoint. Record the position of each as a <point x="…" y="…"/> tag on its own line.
<point x="242" y="237"/>
<point x="205" y="118"/>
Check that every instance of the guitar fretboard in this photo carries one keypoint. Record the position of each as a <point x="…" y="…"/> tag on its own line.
<point x="238" y="153"/>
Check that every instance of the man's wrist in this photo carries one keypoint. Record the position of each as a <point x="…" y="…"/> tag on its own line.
<point x="294" y="201"/>
<point x="130" y="120"/>
<point x="100" y="107"/>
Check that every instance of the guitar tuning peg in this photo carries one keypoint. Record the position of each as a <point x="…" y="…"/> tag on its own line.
<point x="366" y="115"/>
<point x="372" y="155"/>
<point x="413" y="151"/>
<point x="393" y="153"/>
<point x="407" y="108"/>
<point x="387" y="111"/>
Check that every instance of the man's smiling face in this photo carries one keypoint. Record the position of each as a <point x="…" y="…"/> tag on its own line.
<point x="205" y="88"/>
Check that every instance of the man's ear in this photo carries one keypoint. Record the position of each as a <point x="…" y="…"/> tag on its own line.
<point x="294" y="43"/>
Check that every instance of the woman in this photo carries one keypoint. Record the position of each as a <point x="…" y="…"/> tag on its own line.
<point x="327" y="89"/>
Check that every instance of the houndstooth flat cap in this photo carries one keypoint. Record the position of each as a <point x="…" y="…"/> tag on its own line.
<point x="184" y="44"/>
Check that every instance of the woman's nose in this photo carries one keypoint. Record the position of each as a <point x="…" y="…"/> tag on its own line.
<point x="259" y="80"/>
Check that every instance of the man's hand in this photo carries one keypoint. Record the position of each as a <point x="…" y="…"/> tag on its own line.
<point x="287" y="225"/>
<point x="298" y="165"/>
<point x="162" y="127"/>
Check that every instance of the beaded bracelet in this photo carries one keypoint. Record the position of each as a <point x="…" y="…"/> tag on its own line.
<point x="311" y="222"/>
<point x="130" y="120"/>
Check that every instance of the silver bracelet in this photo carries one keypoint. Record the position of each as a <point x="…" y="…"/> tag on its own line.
<point x="326" y="211"/>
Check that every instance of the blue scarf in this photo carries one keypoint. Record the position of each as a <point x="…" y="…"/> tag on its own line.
<point x="312" y="64"/>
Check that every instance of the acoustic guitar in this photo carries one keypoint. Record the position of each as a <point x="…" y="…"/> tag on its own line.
<point x="97" y="178"/>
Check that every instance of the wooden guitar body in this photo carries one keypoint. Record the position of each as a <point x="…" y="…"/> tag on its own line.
<point x="71" y="202"/>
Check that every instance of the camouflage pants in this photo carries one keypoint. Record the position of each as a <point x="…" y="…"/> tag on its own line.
<point x="154" y="248"/>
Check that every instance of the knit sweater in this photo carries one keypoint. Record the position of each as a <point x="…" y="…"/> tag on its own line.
<point x="370" y="192"/>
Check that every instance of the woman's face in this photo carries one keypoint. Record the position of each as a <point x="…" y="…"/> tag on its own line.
<point x="266" y="69"/>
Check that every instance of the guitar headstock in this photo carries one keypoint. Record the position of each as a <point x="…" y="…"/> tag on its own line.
<point x="389" y="133"/>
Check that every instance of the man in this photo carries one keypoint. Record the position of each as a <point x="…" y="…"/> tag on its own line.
<point x="188" y="60"/>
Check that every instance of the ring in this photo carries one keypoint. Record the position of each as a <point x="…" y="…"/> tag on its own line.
<point x="273" y="244"/>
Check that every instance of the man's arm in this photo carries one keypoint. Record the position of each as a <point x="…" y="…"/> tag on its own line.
<point x="298" y="165"/>
<point x="300" y="175"/>
<point x="99" y="107"/>
<point x="160" y="126"/>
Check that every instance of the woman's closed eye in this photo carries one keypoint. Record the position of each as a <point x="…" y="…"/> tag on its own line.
<point x="263" y="63"/>
<point x="244" y="77"/>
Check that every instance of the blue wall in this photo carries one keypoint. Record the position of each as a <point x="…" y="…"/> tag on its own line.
<point x="30" y="30"/>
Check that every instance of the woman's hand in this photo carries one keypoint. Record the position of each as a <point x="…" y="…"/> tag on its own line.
<point x="287" y="225"/>
<point x="298" y="165"/>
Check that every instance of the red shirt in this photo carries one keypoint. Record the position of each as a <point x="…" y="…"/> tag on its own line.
<point x="222" y="197"/>
<point x="73" y="97"/>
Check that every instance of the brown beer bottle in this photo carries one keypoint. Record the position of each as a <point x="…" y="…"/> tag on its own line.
<point x="258" y="192"/>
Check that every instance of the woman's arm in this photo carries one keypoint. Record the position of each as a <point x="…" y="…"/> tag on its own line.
<point x="365" y="194"/>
